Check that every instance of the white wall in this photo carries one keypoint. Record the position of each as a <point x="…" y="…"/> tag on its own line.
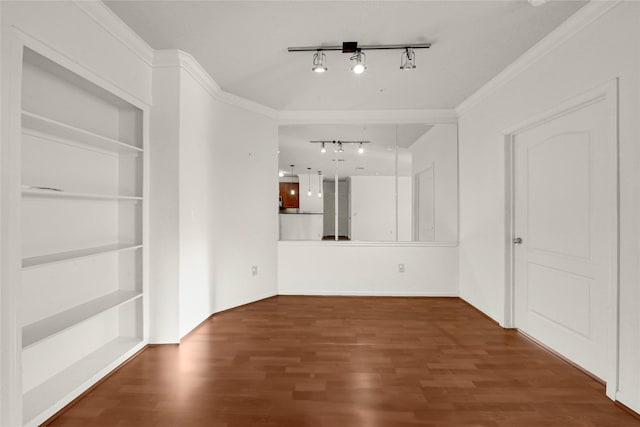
<point x="245" y="220"/>
<point x="217" y="215"/>
<point x="336" y="268"/>
<point x="439" y="147"/>
<point x="608" y="48"/>
<point x="373" y="208"/>
<point x="164" y="217"/>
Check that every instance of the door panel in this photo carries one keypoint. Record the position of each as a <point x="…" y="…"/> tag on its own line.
<point x="564" y="202"/>
<point x="559" y="194"/>
<point x="425" y="217"/>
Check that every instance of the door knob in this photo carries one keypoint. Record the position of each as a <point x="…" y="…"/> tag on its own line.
<point x="517" y="241"/>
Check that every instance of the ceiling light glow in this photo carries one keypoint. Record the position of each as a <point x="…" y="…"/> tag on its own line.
<point x="359" y="63"/>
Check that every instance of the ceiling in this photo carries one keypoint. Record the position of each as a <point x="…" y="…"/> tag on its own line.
<point x="243" y="45"/>
<point x="379" y="157"/>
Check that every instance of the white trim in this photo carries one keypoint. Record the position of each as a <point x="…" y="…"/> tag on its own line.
<point x="111" y="23"/>
<point x="591" y="12"/>
<point x="10" y="226"/>
<point x="170" y="58"/>
<point x="367" y="116"/>
<point x="370" y="293"/>
<point x="348" y="243"/>
<point x="609" y="94"/>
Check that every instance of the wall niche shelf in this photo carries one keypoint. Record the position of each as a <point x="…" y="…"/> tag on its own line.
<point x="43" y="260"/>
<point x="45" y="328"/>
<point x="53" y="129"/>
<point x="40" y="192"/>
<point x="83" y="304"/>
<point x="77" y="377"/>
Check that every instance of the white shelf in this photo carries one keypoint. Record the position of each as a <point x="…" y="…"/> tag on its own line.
<point x="43" y="401"/>
<point x="29" y="191"/>
<point x="47" y="327"/>
<point x="78" y="254"/>
<point x="67" y="133"/>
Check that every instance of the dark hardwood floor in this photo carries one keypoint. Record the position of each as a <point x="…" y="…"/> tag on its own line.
<point x="348" y="361"/>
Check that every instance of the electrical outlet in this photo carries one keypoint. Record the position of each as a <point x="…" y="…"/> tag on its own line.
<point x="400" y="268"/>
<point x="254" y="270"/>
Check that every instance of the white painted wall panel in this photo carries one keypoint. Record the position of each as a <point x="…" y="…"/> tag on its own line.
<point x="351" y="269"/>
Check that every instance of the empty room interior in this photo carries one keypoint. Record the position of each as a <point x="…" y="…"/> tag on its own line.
<point x="320" y="213"/>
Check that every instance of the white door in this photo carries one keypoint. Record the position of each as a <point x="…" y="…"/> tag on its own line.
<point x="425" y="206"/>
<point x="565" y="207"/>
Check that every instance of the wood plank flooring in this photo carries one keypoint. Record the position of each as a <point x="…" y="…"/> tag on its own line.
<point x="349" y="361"/>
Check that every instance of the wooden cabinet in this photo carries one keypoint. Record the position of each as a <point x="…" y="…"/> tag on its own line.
<point x="290" y="200"/>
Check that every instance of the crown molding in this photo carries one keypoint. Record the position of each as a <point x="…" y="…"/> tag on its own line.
<point x="107" y="19"/>
<point x="367" y="116"/>
<point x="589" y="13"/>
<point x="177" y="58"/>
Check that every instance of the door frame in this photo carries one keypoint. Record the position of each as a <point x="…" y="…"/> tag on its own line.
<point x="607" y="93"/>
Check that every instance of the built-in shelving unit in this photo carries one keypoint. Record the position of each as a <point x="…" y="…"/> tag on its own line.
<point x="82" y="293"/>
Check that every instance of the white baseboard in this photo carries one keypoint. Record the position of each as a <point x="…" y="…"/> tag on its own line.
<point x="367" y="293"/>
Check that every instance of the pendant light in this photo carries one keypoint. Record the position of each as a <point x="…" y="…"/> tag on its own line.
<point x="293" y="190"/>
<point x="319" y="183"/>
<point x="309" y="182"/>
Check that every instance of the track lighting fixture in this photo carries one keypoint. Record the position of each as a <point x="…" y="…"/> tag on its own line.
<point x="358" y="60"/>
<point x="319" y="62"/>
<point x="293" y="190"/>
<point x="338" y="145"/>
<point x="407" y="58"/>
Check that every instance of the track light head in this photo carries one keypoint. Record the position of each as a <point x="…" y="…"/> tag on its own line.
<point x="360" y="148"/>
<point x="339" y="148"/>
<point x="358" y="62"/>
<point x="323" y="149"/>
<point x="319" y="62"/>
<point x="408" y="59"/>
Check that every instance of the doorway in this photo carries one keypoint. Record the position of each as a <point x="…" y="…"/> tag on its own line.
<point x="562" y="269"/>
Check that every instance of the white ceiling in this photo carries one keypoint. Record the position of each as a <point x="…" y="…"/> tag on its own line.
<point x="243" y="45"/>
